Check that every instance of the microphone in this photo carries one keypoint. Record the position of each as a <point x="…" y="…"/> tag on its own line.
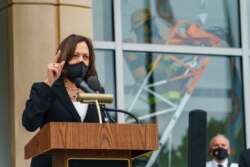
<point x="91" y="95"/>
<point x="95" y="84"/>
<point x="92" y="89"/>
<point x="80" y="83"/>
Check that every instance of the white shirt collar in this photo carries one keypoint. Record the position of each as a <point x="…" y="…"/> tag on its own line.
<point x="224" y="163"/>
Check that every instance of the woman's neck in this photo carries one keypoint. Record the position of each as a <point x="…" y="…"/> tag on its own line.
<point x="72" y="90"/>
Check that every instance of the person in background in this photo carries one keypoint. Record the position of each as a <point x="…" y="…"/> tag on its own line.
<point x="244" y="160"/>
<point x="54" y="99"/>
<point x="219" y="150"/>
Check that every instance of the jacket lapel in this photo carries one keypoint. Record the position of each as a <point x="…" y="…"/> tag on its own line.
<point x="63" y="96"/>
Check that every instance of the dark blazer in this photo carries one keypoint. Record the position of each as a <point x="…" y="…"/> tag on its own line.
<point x="51" y="104"/>
<point x="244" y="160"/>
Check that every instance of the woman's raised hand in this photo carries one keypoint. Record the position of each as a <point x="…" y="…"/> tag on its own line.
<point x="54" y="70"/>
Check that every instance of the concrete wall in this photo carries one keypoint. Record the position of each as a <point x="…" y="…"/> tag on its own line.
<point x="31" y="33"/>
<point x="4" y="87"/>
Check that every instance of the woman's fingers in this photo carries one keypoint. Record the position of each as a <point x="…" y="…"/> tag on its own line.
<point x="62" y="64"/>
<point x="54" y="60"/>
<point x="54" y="69"/>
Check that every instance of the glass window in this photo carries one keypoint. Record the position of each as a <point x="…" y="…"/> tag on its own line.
<point x="248" y="21"/>
<point x="175" y="22"/>
<point x="163" y="88"/>
<point x="106" y="71"/>
<point x="103" y="20"/>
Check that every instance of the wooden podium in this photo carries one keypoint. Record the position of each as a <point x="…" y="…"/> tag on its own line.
<point x="83" y="141"/>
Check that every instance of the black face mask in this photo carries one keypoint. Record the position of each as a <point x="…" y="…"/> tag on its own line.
<point x="78" y="70"/>
<point x="220" y="153"/>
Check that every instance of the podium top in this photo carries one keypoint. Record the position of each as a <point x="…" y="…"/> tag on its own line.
<point x="137" y="138"/>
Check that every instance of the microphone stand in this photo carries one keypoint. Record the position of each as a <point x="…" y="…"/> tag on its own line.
<point x="97" y="107"/>
<point x="97" y="99"/>
<point x="98" y="111"/>
<point x="105" y="115"/>
<point x="121" y="111"/>
<point x="102" y="98"/>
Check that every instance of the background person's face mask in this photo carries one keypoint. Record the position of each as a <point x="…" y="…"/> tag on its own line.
<point x="78" y="70"/>
<point x="220" y="153"/>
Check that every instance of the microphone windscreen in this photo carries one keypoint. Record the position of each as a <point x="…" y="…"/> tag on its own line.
<point x="94" y="83"/>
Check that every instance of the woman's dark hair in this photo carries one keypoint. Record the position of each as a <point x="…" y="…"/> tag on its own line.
<point x="67" y="48"/>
